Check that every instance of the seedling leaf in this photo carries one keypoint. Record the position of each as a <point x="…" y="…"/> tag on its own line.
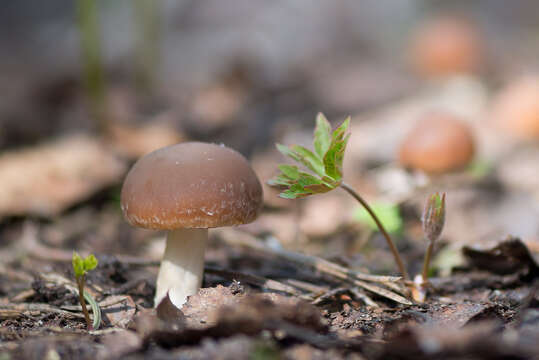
<point x="325" y="162"/>
<point x="333" y="158"/>
<point x="78" y="264"/>
<point x="322" y="135"/>
<point x="309" y="159"/>
<point x="90" y="263"/>
<point x="286" y="151"/>
<point x="82" y="266"/>
<point x="289" y="171"/>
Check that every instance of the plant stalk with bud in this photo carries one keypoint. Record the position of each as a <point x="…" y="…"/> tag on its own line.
<point x="325" y="164"/>
<point x="433" y="220"/>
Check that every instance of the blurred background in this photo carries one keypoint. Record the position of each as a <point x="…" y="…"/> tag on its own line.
<point x="209" y="70"/>
<point x="89" y="86"/>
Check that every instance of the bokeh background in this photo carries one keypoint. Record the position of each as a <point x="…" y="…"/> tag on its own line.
<point x="231" y="72"/>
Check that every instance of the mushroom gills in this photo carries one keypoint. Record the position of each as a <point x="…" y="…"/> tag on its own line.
<point x="182" y="267"/>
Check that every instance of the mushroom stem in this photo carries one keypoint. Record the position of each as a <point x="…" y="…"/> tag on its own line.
<point x="182" y="266"/>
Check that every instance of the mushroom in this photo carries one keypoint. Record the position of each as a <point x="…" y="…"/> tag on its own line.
<point x="438" y="143"/>
<point x="445" y="46"/>
<point x="516" y="108"/>
<point x="186" y="189"/>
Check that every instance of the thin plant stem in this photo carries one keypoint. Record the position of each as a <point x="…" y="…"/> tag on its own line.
<point x="80" y="283"/>
<point x="426" y="261"/>
<point x="390" y="243"/>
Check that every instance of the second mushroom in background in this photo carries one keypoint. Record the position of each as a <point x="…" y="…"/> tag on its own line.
<point x="438" y="143"/>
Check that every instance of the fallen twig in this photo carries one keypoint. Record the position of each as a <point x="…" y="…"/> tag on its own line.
<point x="363" y="297"/>
<point x="326" y="267"/>
<point x="306" y="286"/>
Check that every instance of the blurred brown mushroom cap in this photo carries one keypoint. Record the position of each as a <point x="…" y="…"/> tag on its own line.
<point x="438" y="143"/>
<point x="446" y="45"/>
<point x="516" y="109"/>
<point x="191" y="185"/>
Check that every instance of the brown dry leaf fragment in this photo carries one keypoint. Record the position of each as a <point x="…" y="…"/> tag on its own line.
<point x="248" y="314"/>
<point x="233" y="348"/>
<point x="121" y="311"/>
<point x="46" y="179"/>
<point x="169" y="313"/>
<point x="254" y="313"/>
<point x="441" y="342"/>
<point x="201" y="310"/>
<point x="508" y="257"/>
<point x="454" y="316"/>
<point x="435" y="315"/>
<point x="119" y="344"/>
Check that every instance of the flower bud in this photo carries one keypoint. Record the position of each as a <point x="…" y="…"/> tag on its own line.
<point x="434" y="216"/>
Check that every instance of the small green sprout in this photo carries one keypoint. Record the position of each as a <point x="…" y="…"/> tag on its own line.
<point x="325" y="172"/>
<point x="80" y="267"/>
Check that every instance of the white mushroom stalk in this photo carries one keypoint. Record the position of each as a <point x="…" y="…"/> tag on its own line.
<point x="182" y="266"/>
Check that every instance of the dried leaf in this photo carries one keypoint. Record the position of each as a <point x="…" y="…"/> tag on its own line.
<point x="508" y="257"/>
<point x="121" y="311"/>
<point x="169" y="313"/>
<point x="46" y="179"/>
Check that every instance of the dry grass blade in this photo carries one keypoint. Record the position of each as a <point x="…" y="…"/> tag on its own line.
<point x="382" y="292"/>
<point x="28" y="309"/>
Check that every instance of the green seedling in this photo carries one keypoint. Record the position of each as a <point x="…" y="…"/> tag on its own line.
<point x="80" y="267"/>
<point x="388" y="214"/>
<point x="324" y="172"/>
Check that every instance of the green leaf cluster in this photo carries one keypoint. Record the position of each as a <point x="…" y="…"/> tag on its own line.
<point x="324" y="165"/>
<point x="388" y="214"/>
<point x="82" y="265"/>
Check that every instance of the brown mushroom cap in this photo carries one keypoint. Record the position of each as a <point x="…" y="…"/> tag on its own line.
<point x="191" y="185"/>
<point x="438" y="143"/>
<point x="517" y="108"/>
<point x="445" y="46"/>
